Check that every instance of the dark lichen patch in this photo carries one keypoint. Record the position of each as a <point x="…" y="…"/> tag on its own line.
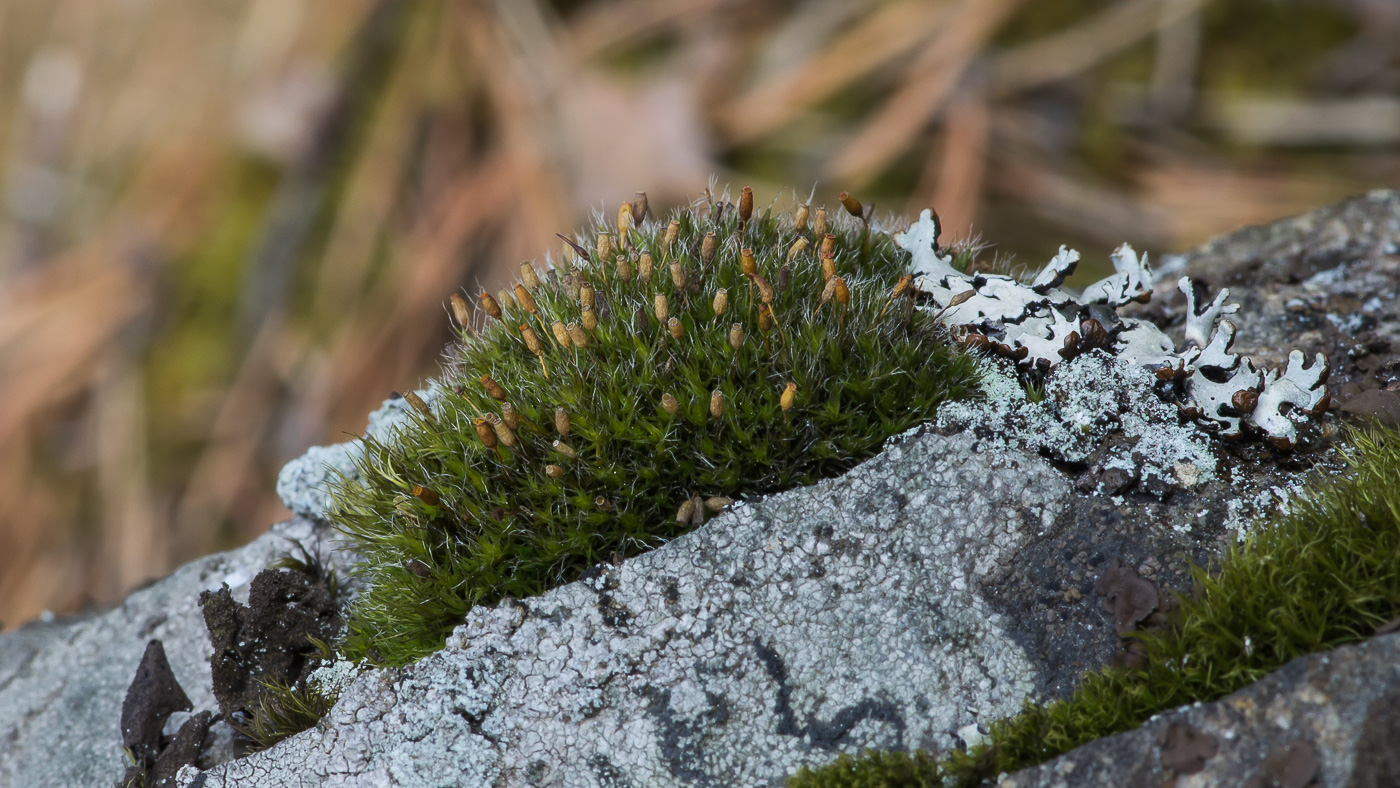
<point x="154" y="695"/>
<point x="265" y="651"/>
<point x="624" y="397"/>
<point x="184" y="750"/>
<point x="1185" y="749"/>
<point x="1292" y="766"/>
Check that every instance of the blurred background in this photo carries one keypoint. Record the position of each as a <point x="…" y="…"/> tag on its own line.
<point x="228" y="227"/>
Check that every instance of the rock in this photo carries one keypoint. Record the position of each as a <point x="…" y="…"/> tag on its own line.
<point x="822" y="620"/>
<point x="1374" y="407"/>
<point x="905" y="604"/>
<point x="302" y="483"/>
<point x="1330" y="720"/>
<point x="62" y="683"/>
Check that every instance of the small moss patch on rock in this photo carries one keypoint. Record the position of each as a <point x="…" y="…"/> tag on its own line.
<point x="596" y="410"/>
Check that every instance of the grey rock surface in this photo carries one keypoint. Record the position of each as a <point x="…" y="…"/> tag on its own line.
<point x="302" y="484"/>
<point x="62" y="683"/>
<point x="830" y="618"/>
<point x="1343" y="705"/>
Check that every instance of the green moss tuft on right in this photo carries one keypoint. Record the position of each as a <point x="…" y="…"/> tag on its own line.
<point x="1325" y="574"/>
<point x="873" y="769"/>
<point x="600" y="409"/>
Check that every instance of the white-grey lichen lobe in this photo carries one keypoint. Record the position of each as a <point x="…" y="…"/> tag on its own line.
<point x="1039" y="325"/>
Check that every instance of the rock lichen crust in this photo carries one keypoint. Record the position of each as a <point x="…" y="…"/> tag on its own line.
<point x="1040" y="326"/>
<point x="826" y="619"/>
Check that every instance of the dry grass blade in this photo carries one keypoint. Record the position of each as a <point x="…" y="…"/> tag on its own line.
<point x="1084" y="45"/>
<point x="888" y="34"/>
<point x="927" y="85"/>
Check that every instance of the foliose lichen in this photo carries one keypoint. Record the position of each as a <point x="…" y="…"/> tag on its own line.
<point x="1039" y="326"/>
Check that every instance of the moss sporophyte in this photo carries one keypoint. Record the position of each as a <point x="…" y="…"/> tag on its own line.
<point x="662" y="368"/>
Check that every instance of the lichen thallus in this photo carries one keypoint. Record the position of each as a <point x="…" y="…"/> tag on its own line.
<point x="612" y="402"/>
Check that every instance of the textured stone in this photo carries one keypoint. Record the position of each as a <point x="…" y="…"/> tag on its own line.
<point x="1335" y="714"/>
<point x="830" y="618"/>
<point x="62" y="683"/>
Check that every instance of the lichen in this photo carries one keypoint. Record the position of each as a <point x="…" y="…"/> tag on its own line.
<point x="1040" y="326"/>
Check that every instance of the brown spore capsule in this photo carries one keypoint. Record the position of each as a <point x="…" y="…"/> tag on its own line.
<point x="828" y="268"/>
<point x="765" y="318"/>
<point x="585" y="295"/>
<point x="554" y="471"/>
<point x="668" y="241"/>
<point x="718" y="503"/>
<point x="677" y="275"/>
<point x="708" y="246"/>
<point x="789" y="396"/>
<point x="819" y="222"/>
<point x="661" y="306"/>
<point x="532" y="340"/>
<point x="843" y="293"/>
<point x="799" y="219"/>
<point x="640" y="209"/>
<point x="460" y="312"/>
<point x="717" y="403"/>
<point x="504" y="433"/>
<point x="721" y="302"/>
<point x="418" y="404"/>
<point x="603" y="503"/>
<point x="828" y="248"/>
<point x="670" y="404"/>
<point x="765" y="290"/>
<point x="624" y="221"/>
<point x="685" y="512"/>
<point x="510" y="415"/>
<point x="624" y="268"/>
<point x="736" y="336"/>
<point x="430" y="497"/>
<point x="605" y="247"/>
<point x="852" y="205"/>
<point x="565" y="449"/>
<point x="492" y="307"/>
<point x="748" y="264"/>
<point x="526" y="300"/>
<point x="784" y="278"/>
<point x="645" y="266"/>
<point x="485" y="433"/>
<point x="674" y="326"/>
<point x="528" y="276"/>
<point x="797" y="248"/>
<point x="577" y="335"/>
<point x="561" y="421"/>
<point x="589" y="319"/>
<point x="746" y="204"/>
<point x="829" y="290"/>
<point x="561" y="335"/>
<point x="507" y="300"/>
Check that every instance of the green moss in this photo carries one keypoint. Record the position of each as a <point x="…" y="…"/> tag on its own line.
<point x="282" y="711"/>
<point x="446" y="522"/>
<point x="1325" y="574"/>
<point x="873" y="769"/>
